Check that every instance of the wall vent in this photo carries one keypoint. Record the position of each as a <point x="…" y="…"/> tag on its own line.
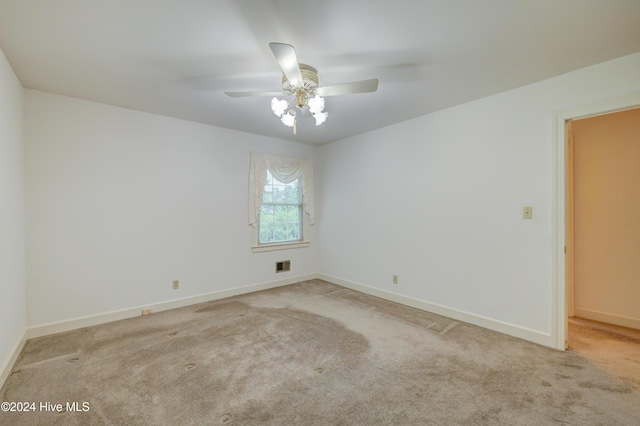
<point x="283" y="266"/>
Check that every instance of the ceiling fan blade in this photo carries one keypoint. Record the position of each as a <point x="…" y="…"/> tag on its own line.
<point x="247" y="94"/>
<point x="364" y="86"/>
<point x="286" y="56"/>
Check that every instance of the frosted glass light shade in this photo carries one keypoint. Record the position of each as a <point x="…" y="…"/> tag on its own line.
<point x="289" y="119"/>
<point x="320" y="117"/>
<point x="316" y="104"/>
<point x="278" y="106"/>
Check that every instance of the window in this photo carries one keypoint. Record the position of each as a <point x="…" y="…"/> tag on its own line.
<point x="280" y="202"/>
<point x="280" y="218"/>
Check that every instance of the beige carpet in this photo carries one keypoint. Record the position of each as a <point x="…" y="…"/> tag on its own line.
<point x="612" y="348"/>
<point x="309" y="354"/>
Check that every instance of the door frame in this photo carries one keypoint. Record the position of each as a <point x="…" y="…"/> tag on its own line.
<point x="562" y="245"/>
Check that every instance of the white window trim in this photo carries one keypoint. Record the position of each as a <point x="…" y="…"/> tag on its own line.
<point x="283" y="169"/>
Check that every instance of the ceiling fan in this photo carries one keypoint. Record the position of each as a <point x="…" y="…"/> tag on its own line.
<point x="301" y="81"/>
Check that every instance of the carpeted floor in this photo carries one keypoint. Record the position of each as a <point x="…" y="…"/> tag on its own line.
<point x="308" y="354"/>
<point x="612" y="348"/>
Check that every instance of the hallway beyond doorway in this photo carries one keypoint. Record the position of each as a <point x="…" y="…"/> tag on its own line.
<point x="612" y="348"/>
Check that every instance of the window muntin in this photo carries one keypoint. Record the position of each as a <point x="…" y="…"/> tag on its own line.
<point x="280" y="219"/>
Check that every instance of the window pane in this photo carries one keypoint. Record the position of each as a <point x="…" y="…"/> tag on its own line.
<point x="281" y="215"/>
<point x="292" y="193"/>
<point x="279" y="232"/>
<point x="278" y="192"/>
<point x="280" y="223"/>
<point x="285" y="214"/>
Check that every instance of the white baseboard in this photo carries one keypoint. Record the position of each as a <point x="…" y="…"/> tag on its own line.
<point x="10" y="362"/>
<point x="608" y="318"/>
<point x="484" y="322"/>
<point x="76" y="323"/>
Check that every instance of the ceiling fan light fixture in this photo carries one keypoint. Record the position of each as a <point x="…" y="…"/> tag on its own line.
<point x="289" y="119"/>
<point x="301" y="97"/>
<point x="279" y="106"/>
<point x="316" y="104"/>
<point x="320" y="117"/>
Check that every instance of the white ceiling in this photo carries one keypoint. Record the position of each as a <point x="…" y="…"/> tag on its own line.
<point x="178" y="57"/>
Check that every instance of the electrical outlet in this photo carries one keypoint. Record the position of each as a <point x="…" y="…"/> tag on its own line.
<point x="395" y="279"/>
<point x="176" y="284"/>
<point x="146" y="311"/>
<point x="527" y="212"/>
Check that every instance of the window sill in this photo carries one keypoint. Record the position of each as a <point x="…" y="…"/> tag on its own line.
<point x="282" y="246"/>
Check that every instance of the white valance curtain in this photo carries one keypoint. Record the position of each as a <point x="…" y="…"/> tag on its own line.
<point x="284" y="169"/>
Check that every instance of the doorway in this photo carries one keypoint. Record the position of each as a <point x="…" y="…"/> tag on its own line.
<point x="603" y="230"/>
<point x="603" y="241"/>
<point x="562" y="244"/>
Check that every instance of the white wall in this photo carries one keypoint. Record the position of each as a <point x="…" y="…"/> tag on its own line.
<point x="120" y="203"/>
<point x="12" y="251"/>
<point x="440" y="198"/>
